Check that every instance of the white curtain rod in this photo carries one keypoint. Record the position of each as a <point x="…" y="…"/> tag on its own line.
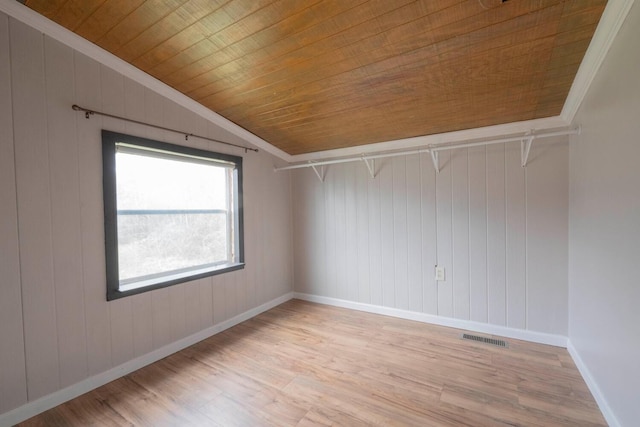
<point x="525" y="139"/>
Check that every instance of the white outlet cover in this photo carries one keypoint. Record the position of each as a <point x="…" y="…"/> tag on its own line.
<point x="439" y="273"/>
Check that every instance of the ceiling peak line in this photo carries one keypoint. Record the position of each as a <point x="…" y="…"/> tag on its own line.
<point x="88" y="113"/>
<point x="525" y="140"/>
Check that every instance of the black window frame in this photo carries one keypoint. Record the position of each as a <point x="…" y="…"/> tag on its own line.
<point x="109" y="183"/>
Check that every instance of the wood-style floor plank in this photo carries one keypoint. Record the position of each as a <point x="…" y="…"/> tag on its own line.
<point x="305" y="364"/>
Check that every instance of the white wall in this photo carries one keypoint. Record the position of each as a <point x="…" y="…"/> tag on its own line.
<point x="500" y="230"/>
<point x="604" y="319"/>
<point x="56" y="327"/>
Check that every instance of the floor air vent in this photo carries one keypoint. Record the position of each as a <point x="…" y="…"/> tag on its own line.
<point x="492" y="341"/>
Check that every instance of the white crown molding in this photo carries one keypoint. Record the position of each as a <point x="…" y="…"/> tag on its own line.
<point x="22" y="13"/>
<point x="49" y="401"/>
<point x="486" y="132"/>
<point x="485" y="328"/>
<point x="610" y="22"/>
<point x="608" y="414"/>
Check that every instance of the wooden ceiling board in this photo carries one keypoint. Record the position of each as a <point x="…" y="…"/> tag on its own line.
<point x="106" y="17"/>
<point x="312" y="75"/>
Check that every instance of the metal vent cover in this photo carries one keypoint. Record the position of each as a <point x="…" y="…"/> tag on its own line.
<point x="485" y="340"/>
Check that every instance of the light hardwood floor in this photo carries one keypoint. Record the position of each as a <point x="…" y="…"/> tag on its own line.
<point x="304" y="364"/>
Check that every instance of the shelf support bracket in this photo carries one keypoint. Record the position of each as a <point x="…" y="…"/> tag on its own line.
<point x="371" y="166"/>
<point x="525" y="148"/>
<point x="434" y="159"/>
<point x="319" y="170"/>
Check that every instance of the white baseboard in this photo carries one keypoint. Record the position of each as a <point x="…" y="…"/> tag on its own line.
<point x="593" y="386"/>
<point x="520" y="334"/>
<point x="31" y="409"/>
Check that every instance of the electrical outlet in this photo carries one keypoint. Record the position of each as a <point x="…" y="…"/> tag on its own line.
<point x="439" y="273"/>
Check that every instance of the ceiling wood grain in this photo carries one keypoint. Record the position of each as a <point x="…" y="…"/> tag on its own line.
<point x="312" y="75"/>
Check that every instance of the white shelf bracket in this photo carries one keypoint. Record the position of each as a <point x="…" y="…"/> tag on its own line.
<point x="434" y="159"/>
<point x="371" y="166"/>
<point x="525" y="148"/>
<point x="319" y="170"/>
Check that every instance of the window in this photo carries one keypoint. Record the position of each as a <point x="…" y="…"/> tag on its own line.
<point x="172" y="213"/>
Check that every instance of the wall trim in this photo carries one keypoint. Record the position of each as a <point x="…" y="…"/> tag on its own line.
<point x="33" y="19"/>
<point x="595" y="390"/>
<point x="612" y="18"/>
<point x="520" y="334"/>
<point x="481" y="133"/>
<point x="38" y="406"/>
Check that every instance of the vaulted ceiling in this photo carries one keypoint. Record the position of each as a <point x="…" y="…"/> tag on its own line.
<point x="312" y="75"/>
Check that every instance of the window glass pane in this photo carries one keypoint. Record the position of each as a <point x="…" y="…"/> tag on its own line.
<point x="157" y="183"/>
<point x="172" y="215"/>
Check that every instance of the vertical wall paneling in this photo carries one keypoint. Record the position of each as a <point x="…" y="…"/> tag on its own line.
<point x="219" y="306"/>
<point x="248" y="200"/>
<point x="516" y="232"/>
<point x="65" y="212"/>
<point x="330" y="232"/>
<point x="350" y="234"/>
<point x="250" y="250"/>
<point x="177" y="303"/>
<point x="319" y="256"/>
<point x="414" y="234"/>
<point x="98" y="326"/>
<point x="375" y="238"/>
<point x="547" y="232"/>
<point x="496" y="229"/>
<point x="13" y="382"/>
<point x="34" y="210"/>
<point x="477" y="234"/>
<point x="277" y="216"/>
<point x="230" y="295"/>
<point x="241" y="291"/>
<point x="460" y="233"/>
<point x="471" y="218"/>
<point x="400" y="238"/>
<point x="604" y="320"/>
<point x="252" y="199"/>
<point x="205" y="299"/>
<point x="362" y="234"/>
<point x="387" y="228"/>
<point x="338" y="178"/>
<point x="120" y="310"/>
<point x="303" y="225"/>
<point x="444" y="245"/>
<point x="429" y="236"/>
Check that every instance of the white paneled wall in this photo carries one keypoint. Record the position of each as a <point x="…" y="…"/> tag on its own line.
<point x="56" y="327"/>
<point x="604" y="291"/>
<point x="499" y="230"/>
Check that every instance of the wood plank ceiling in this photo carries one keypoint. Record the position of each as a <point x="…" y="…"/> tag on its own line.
<point x="311" y="75"/>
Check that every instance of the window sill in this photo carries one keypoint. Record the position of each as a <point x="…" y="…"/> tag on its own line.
<point x="171" y="279"/>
